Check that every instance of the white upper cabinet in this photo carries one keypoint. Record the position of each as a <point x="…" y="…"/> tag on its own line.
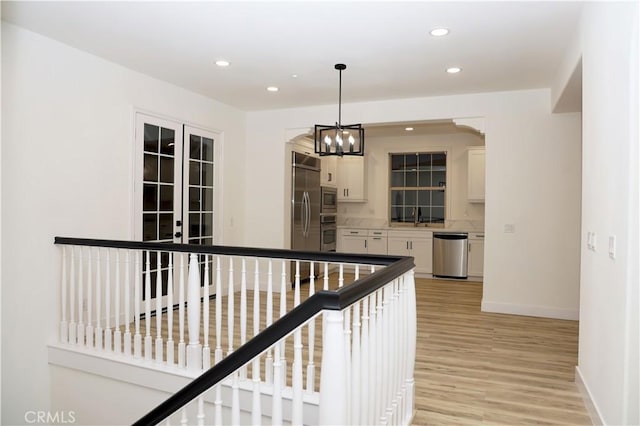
<point x="351" y="179"/>
<point x="329" y="171"/>
<point x="475" y="175"/>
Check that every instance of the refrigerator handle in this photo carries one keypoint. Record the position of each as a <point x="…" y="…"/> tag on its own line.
<point x="303" y="213"/>
<point x="307" y="213"/>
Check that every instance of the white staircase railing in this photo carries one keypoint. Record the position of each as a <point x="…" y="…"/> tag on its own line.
<point x="365" y="349"/>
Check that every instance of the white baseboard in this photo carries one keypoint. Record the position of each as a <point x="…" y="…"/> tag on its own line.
<point x="530" y="310"/>
<point x="589" y="404"/>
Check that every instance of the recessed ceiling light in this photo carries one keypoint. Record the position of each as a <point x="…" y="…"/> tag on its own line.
<point x="294" y="75"/>
<point x="272" y="89"/>
<point x="454" y="70"/>
<point x="439" y="32"/>
<point x="223" y="63"/>
<point x="409" y="129"/>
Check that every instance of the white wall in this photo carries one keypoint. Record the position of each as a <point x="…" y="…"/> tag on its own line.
<point x="609" y="321"/>
<point x="67" y="140"/>
<point x="377" y="174"/>
<point x="533" y="182"/>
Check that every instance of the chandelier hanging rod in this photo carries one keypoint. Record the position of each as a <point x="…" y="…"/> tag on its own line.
<point x="340" y="68"/>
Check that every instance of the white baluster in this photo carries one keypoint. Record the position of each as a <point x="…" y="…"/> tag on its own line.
<point x="256" y="299"/>
<point x="386" y="364"/>
<point x="256" y="406"/>
<point x="206" y="350"/>
<point x="243" y="313"/>
<point x="137" y="301"/>
<point x="268" y="362"/>
<point x="81" y="299"/>
<point x="326" y="276"/>
<point x="127" y="304"/>
<point x="311" y="371"/>
<point x="276" y="399"/>
<point x="201" y="411"/>
<point x="98" y="332"/>
<point x="347" y="359"/>
<point x="194" y="349"/>
<point x="296" y="380"/>
<point x="376" y="357"/>
<point x="218" y="351"/>
<point x="117" y="335"/>
<point x="235" y="400"/>
<point x="183" y="418"/>
<point x="402" y="327"/>
<point x="170" y="343"/>
<point x="230" y="308"/>
<point x="89" y="334"/>
<point x="364" y="364"/>
<point x="333" y="389"/>
<point x="355" y="367"/>
<point x="341" y="275"/>
<point x="73" y="329"/>
<point x="393" y="349"/>
<point x="182" y="348"/>
<point x="283" y="311"/>
<point x="64" y="325"/>
<point x="147" y="309"/>
<point x="401" y="348"/>
<point x="159" y="342"/>
<point x="379" y="357"/>
<point x="218" y="406"/>
<point x="108" y="337"/>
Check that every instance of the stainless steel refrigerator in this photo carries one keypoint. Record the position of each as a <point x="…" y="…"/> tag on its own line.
<point x="305" y="207"/>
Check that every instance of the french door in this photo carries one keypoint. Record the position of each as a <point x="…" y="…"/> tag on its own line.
<point x="175" y="192"/>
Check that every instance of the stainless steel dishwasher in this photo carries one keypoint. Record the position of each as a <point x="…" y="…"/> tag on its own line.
<point x="450" y="254"/>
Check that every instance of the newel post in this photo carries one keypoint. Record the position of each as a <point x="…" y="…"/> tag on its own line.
<point x="194" y="349"/>
<point x="333" y="374"/>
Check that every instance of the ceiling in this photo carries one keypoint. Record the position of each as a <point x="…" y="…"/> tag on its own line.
<point x="386" y="45"/>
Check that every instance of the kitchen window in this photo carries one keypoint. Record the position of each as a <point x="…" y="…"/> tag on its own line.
<point x="417" y="183"/>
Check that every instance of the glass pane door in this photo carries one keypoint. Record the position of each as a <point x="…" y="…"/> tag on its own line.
<point x="159" y="193"/>
<point x="199" y="178"/>
<point x="175" y="192"/>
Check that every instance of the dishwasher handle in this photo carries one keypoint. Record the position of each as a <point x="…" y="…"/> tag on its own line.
<point x="450" y="236"/>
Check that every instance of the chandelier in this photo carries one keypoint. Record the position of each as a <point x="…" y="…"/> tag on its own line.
<point x="340" y="139"/>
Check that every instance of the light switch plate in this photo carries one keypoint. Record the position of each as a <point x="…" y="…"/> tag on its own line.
<point x="593" y="241"/>
<point x="612" y="246"/>
<point x="509" y="228"/>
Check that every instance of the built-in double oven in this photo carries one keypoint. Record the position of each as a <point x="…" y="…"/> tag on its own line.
<point x="328" y="214"/>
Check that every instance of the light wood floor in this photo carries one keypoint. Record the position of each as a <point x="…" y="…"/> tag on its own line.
<point x="480" y="368"/>
<point x="473" y="367"/>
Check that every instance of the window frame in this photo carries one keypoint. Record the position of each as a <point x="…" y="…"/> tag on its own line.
<point x="416" y="204"/>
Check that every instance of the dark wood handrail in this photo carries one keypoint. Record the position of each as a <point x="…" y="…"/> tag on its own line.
<point x="315" y="256"/>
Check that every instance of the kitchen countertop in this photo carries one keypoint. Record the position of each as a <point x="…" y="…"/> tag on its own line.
<point x="372" y="223"/>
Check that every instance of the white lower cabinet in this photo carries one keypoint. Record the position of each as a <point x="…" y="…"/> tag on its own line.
<point x="377" y="242"/>
<point x="476" y="255"/>
<point x="418" y="244"/>
<point x="352" y="241"/>
<point x="367" y="241"/>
